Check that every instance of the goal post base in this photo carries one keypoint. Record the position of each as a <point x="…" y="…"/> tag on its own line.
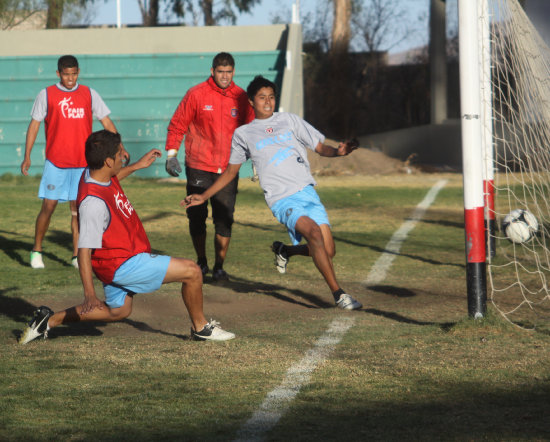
<point x="477" y="290"/>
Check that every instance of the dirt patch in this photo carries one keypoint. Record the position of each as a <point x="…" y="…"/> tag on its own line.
<point x="363" y="161"/>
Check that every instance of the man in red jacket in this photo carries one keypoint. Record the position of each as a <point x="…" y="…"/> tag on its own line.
<point x="207" y="116"/>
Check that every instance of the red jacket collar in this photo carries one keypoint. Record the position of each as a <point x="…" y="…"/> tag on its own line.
<point x="230" y="90"/>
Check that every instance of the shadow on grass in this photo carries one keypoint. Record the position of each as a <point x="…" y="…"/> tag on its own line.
<point x="160" y="215"/>
<point x="16" y="309"/>
<point x="22" y="311"/>
<point x="406" y="255"/>
<point x="460" y="410"/>
<point x="15" y="249"/>
<point x="61" y="238"/>
<point x="92" y="329"/>
<point x="242" y="285"/>
<point x="142" y="326"/>
<point x="445" y="326"/>
<point x="398" y="292"/>
<point x="271" y="228"/>
<point x="18" y="250"/>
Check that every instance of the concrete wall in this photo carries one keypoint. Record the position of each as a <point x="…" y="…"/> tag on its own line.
<point x="141" y="73"/>
<point x="434" y="144"/>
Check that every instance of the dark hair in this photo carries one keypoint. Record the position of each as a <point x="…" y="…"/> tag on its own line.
<point x="258" y="83"/>
<point x="101" y="145"/>
<point x="66" y="61"/>
<point x="223" y="59"/>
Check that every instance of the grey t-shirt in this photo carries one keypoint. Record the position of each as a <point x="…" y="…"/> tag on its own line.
<point x="94" y="217"/>
<point x="40" y="107"/>
<point x="277" y="148"/>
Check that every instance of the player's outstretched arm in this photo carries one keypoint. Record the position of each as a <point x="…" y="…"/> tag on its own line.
<point x="343" y="149"/>
<point x="144" y="162"/>
<point x="108" y="124"/>
<point x="32" y="133"/>
<point x="91" y="300"/>
<point x="223" y="180"/>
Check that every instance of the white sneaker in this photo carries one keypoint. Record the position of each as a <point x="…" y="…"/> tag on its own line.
<point x="74" y="262"/>
<point x="346" y="302"/>
<point x="212" y="332"/>
<point x="38" y="325"/>
<point x="36" y="260"/>
<point x="281" y="257"/>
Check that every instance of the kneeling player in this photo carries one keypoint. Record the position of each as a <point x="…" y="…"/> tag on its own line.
<point x="114" y="245"/>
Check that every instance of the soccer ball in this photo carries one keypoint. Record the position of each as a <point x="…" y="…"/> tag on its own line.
<point x="520" y="226"/>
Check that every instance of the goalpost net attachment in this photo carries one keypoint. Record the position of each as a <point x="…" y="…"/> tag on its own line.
<point x="518" y="273"/>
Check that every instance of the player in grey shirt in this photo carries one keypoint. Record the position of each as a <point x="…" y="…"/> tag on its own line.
<point x="276" y="143"/>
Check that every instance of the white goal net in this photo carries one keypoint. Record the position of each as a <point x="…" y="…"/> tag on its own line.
<point x="519" y="273"/>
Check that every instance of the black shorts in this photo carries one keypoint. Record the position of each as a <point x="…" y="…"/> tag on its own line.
<point x="223" y="203"/>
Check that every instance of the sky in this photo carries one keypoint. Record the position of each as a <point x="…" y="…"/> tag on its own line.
<point x="104" y="12"/>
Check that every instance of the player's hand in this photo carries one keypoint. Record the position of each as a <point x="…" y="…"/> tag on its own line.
<point x="25" y="165"/>
<point x="148" y="159"/>
<point x="347" y="147"/>
<point x="125" y="155"/>
<point x="192" y="200"/>
<point x="173" y="166"/>
<point x="90" y="303"/>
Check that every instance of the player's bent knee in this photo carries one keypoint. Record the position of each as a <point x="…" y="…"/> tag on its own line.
<point x="181" y="270"/>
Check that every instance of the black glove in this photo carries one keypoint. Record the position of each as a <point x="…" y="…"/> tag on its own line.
<point x="173" y="166"/>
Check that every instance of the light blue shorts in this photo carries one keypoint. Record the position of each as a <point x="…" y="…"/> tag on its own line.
<point x="306" y="202"/>
<point x="59" y="184"/>
<point x="142" y="273"/>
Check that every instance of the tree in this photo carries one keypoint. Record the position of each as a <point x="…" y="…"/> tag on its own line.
<point x="212" y="13"/>
<point x="380" y="24"/>
<point x="149" y="12"/>
<point x="55" y="14"/>
<point x="341" y="31"/>
<point x="15" y="12"/>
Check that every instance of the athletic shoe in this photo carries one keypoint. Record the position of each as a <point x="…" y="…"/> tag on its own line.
<point x="220" y="275"/>
<point x="36" y="260"/>
<point x="74" y="262"/>
<point x="38" y="325"/>
<point x="346" y="302"/>
<point x="212" y="332"/>
<point x="204" y="268"/>
<point x="281" y="257"/>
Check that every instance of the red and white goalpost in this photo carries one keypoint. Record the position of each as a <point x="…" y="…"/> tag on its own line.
<point x="472" y="157"/>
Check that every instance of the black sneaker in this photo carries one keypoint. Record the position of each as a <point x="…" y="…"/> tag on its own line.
<point x="220" y="275"/>
<point x="204" y="268"/>
<point x="281" y="257"/>
<point x="38" y="325"/>
<point x="212" y="332"/>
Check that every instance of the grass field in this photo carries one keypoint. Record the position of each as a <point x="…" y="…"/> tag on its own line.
<point x="411" y="367"/>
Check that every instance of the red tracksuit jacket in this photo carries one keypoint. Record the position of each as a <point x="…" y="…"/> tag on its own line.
<point x="207" y="116"/>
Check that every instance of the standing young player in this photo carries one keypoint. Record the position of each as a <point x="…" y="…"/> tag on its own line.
<point x="208" y="115"/>
<point x="276" y="143"/>
<point x="114" y="245"/>
<point x="67" y="109"/>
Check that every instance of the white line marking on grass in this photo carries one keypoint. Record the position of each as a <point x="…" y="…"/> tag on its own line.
<point x="278" y="401"/>
<point x="384" y="262"/>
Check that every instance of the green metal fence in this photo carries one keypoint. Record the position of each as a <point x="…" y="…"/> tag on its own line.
<point x="142" y="91"/>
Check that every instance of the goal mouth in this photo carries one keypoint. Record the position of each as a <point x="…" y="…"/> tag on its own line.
<point x="519" y="121"/>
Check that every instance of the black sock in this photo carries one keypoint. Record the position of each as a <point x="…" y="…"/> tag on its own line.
<point x="202" y="261"/>
<point x="337" y="294"/>
<point x="217" y="266"/>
